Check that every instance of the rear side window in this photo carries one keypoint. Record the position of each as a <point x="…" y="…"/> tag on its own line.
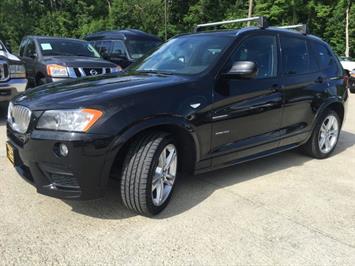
<point x="325" y="58"/>
<point x="296" y="58"/>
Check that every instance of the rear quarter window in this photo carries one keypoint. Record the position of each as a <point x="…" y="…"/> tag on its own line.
<point x="326" y="60"/>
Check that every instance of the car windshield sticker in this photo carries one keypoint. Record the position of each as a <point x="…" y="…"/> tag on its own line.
<point x="46" y="46"/>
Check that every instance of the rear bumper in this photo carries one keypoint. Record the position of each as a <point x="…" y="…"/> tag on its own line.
<point x="11" y="88"/>
<point x="83" y="174"/>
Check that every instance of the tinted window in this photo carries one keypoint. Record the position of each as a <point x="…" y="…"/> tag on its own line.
<point x="325" y="58"/>
<point x="296" y="57"/>
<point x="186" y="55"/>
<point x="22" y="47"/>
<point x="104" y="47"/>
<point x="118" y="49"/>
<point x="30" y="49"/>
<point x="261" y="50"/>
<point x="67" y="47"/>
<point x="138" y="48"/>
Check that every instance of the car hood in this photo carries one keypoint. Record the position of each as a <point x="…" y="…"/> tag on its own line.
<point x="9" y="56"/>
<point x="77" y="61"/>
<point x="93" y="92"/>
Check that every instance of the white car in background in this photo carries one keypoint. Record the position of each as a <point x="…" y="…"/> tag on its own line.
<point x="347" y="63"/>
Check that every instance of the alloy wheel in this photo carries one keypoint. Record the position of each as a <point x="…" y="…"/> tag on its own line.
<point x="164" y="175"/>
<point x="328" y="135"/>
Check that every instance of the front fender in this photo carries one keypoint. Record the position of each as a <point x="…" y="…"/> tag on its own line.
<point x="129" y="132"/>
<point x="147" y="123"/>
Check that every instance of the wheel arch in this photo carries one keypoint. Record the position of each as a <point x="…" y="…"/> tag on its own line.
<point x="339" y="109"/>
<point x="179" y="128"/>
<point x="334" y="105"/>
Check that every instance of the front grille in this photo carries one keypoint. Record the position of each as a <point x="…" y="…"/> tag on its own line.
<point x="63" y="180"/>
<point x="78" y="72"/>
<point x="19" y="118"/>
<point x="4" y="72"/>
<point x="93" y="71"/>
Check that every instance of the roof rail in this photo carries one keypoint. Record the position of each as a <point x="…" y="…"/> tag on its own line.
<point x="262" y="22"/>
<point x="303" y="28"/>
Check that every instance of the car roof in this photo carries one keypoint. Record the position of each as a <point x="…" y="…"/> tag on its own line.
<point x="124" y="34"/>
<point x="35" y="37"/>
<point x="236" y="32"/>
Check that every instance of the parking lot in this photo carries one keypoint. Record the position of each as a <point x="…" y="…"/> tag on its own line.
<point x="285" y="209"/>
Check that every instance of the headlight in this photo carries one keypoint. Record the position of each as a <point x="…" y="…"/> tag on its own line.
<point x="80" y="120"/>
<point x="116" y="69"/>
<point x="17" y="71"/>
<point x="9" y="112"/>
<point x="57" y="71"/>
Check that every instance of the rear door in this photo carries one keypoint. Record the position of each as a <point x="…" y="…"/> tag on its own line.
<point x="303" y="87"/>
<point x="247" y="112"/>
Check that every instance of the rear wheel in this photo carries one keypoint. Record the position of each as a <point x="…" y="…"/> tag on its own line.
<point x="325" y="136"/>
<point x="149" y="173"/>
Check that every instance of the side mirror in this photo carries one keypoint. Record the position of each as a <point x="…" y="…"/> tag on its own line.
<point x="242" y="69"/>
<point x="34" y="55"/>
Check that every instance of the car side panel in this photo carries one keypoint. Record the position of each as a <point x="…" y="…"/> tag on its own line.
<point x="303" y="95"/>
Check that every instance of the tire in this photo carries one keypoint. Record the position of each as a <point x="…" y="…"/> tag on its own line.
<point x="142" y="166"/>
<point x="313" y="146"/>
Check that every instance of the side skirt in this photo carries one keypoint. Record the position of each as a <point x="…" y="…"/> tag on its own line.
<point x="249" y="158"/>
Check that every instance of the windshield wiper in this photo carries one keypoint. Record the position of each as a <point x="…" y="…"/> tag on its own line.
<point x="158" y="72"/>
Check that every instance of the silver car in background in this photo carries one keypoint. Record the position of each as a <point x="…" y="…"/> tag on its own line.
<point x="12" y="75"/>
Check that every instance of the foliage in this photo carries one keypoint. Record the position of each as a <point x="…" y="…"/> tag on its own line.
<point x="77" y="18"/>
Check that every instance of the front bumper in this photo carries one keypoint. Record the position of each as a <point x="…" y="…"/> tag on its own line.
<point x="11" y="88"/>
<point x="83" y="174"/>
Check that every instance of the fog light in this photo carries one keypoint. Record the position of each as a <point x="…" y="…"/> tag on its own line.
<point x="63" y="150"/>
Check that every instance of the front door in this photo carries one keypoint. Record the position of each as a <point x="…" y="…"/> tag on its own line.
<point x="29" y="57"/>
<point x="247" y="112"/>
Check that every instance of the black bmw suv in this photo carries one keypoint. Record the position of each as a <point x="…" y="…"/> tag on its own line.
<point x="200" y="102"/>
<point x="50" y="59"/>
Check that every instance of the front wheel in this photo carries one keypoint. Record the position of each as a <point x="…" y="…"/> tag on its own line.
<point x="149" y="173"/>
<point x="325" y="136"/>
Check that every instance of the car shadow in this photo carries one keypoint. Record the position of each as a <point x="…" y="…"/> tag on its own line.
<point x="192" y="190"/>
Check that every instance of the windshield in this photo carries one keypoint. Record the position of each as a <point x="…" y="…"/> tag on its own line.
<point x="185" y="55"/>
<point x="138" y="48"/>
<point x="62" y="47"/>
<point x="2" y="47"/>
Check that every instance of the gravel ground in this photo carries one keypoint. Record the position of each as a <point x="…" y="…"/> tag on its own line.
<point x="285" y="209"/>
